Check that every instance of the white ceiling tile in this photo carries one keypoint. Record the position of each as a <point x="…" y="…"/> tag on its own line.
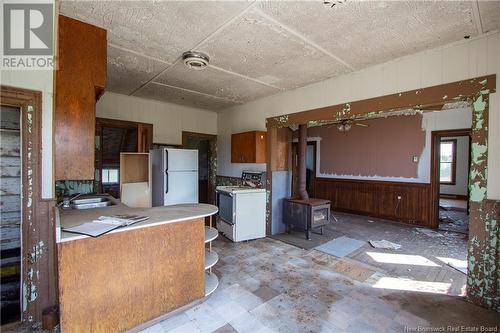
<point x="284" y="44"/>
<point x="128" y="71"/>
<point x="161" y="29"/>
<point x="490" y="15"/>
<point x="256" y="47"/>
<point x="370" y="32"/>
<point x="164" y="93"/>
<point x="215" y="82"/>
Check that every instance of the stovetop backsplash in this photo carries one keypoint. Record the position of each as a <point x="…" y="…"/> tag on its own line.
<point x="228" y="181"/>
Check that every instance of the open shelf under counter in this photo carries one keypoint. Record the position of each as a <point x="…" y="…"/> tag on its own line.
<point x="211" y="258"/>
<point x="210" y="234"/>
<point x="211" y="283"/>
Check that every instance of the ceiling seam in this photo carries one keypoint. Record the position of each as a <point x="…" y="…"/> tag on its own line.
<point x="197" y="44"/>
<point x="477" y="17"/>
<point x="245" y="77"/>
<point x="154" y="77"/>
<point x="305" y="39"/>
<point x="198" y="92"/>
<point x="138" y="53"/>
<point x="224" y="25"/>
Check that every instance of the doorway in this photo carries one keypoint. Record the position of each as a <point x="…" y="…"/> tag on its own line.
<point x="10" y="196"/>
<point x="206" y="144"/>
<point x="310" y="167"/>
<point x="450" y="179"/>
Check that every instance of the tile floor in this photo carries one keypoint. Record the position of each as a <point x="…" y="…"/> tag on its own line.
<point x="269" y="286"/>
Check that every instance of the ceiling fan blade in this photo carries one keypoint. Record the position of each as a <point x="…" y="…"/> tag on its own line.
<point x="360" y="124"/>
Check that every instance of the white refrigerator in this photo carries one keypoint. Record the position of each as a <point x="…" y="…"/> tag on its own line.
<point x="174" y="176"/>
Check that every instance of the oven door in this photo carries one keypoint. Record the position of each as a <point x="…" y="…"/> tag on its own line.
<point x="226" y="207"/>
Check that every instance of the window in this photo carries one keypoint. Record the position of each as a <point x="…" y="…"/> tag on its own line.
<point x="447" y="161"/>
<point x="110" y="176"/>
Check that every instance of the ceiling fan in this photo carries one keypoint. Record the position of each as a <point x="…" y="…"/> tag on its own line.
<point x="346" y="125"/>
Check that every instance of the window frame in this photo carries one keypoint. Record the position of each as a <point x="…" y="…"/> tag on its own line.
<point x="110" y="183"/>
<point x="453" y="161"/>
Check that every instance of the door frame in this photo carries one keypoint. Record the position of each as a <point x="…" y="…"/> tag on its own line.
<point x="434" y="173"/>
<point x="212" y="159"/>
<point x="38" y="250"/>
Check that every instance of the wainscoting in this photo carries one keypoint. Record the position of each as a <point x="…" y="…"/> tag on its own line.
<point x="379" y="199"/>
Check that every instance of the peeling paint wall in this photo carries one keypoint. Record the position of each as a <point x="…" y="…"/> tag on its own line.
<point x="371" y="152"/>
<point x="484" y="245"/>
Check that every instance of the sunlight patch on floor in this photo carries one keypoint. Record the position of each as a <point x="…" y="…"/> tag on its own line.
<point x="461" y="264"/>
<point x="402" y="259"/>
<point x="412" y="285"/>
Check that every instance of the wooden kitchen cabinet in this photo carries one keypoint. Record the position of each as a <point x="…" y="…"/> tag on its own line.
<point x="80" y="80"/>
<point x="248" y="147"/>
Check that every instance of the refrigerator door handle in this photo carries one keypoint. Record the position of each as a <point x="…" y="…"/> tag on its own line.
<point x="166" y="160"/>
<point x="166" y="181"/>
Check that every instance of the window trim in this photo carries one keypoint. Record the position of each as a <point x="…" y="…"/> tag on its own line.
<point x="110" y="183"/>
<point x="453" y="161"/>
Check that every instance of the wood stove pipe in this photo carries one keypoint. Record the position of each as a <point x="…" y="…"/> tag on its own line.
<point x="302" y="191"/>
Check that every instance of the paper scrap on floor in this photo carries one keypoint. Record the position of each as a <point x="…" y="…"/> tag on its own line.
<point x="429" y="232"/>
<point x="385" y="244"/>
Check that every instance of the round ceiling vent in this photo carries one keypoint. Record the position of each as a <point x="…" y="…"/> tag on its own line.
<point x="195" y="60"/>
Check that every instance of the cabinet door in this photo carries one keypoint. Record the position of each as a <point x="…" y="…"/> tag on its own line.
<point x="243" y="148"/>
<point x="260" y="147"/>
<point x="80" y="79"/>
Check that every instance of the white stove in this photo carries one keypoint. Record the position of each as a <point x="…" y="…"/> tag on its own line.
<point x="239" y="189"/>
<point x="242" y="209"/>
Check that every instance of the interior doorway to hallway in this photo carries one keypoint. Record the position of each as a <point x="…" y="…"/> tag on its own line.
<point x="450" y="177"/>
<point x="206" y="144"/>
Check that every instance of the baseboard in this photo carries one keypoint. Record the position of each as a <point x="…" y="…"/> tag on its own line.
<point x="453" y="196"/>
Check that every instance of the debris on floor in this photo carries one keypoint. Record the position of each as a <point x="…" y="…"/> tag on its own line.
<point x="454" y="221"/>
<point x="384" y="244"/>
<point x="429" y="232"/>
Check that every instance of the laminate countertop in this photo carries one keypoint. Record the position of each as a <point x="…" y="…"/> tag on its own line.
<point x="157" y="216"/>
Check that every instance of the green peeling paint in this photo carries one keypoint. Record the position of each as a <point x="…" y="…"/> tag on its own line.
<point x="477" y="193"/>
<point x="479" y="104"/>
<point x="478" y="152"/>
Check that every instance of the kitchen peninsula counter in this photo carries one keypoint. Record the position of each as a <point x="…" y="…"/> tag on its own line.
<point x="132" y="274"/>
<point x="157" y="216"/>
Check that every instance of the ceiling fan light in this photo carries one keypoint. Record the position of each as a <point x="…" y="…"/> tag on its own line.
<point x="347" y="127"/>
<point x="340" y="127"/>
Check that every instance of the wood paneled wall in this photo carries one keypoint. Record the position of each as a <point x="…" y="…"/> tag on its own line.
<point x="379" y="199"/>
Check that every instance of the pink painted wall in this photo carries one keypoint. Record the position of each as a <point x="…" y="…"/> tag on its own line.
<point x="385" y="148"/>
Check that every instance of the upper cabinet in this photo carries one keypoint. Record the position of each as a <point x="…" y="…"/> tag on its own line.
<point x="248" y="147"/>
<point x="80" y="80"/>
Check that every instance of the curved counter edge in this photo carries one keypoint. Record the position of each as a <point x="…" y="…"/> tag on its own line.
<point x="157" y="216"/>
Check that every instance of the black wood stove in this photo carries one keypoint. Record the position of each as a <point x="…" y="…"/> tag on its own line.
<point x="306" y="215"/>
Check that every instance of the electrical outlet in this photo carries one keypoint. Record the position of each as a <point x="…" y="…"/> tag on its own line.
<point x="415" y="159"/>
